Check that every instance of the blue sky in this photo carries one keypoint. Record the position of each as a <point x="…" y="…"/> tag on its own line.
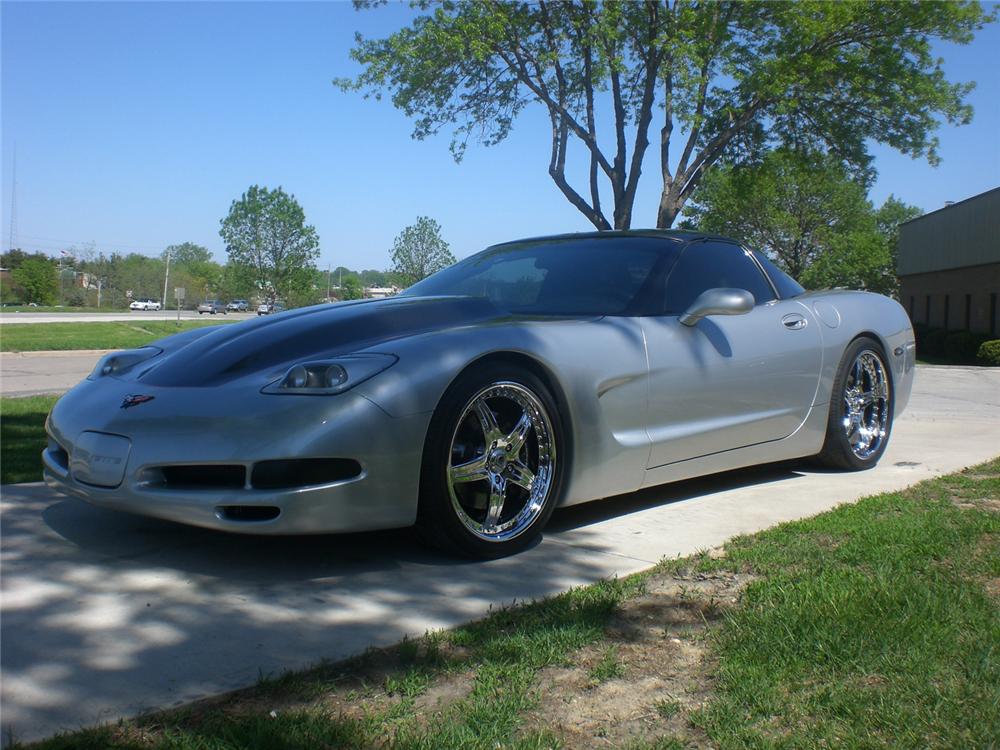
<point x="137" y="124"/>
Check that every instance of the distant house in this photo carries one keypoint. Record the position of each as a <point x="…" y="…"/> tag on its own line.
<point x="379" y="292"/>
<point x="949" y="265"/>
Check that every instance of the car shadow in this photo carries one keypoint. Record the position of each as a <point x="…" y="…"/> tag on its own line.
<point x="113" y="536"/>
<point x="110" y="535"/>
<point x="585" y="514"/>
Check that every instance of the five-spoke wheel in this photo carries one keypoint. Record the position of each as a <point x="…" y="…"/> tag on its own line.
<point x="502" y="461"/>
<point x="491" y="466"/>
<point x="860" y="408"/>
<point x="866" y="404"/>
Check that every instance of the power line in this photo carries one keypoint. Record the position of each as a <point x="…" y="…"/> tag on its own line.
<point x="92" y="242"/>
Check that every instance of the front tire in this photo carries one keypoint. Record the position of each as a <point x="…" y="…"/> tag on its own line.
<point x="493" y="465"/>
<point x="861" y="408"/>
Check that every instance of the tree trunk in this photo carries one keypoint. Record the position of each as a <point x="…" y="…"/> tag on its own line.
<point x="668" y="210"/>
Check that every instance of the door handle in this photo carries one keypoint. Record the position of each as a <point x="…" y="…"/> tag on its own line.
<point x="794" y="322"/>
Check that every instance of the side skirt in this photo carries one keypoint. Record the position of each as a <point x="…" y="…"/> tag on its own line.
<point x="805" y="441"/>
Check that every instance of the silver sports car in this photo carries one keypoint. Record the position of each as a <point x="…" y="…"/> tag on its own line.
<point x="535" y="374"/>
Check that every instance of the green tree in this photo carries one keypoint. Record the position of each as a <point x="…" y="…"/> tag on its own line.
<point x="187" y="254"/>
<point x="36" y="279"/>
<point x="809" y="214"/>
<point x="888" y="218"/>
<point x="373" y="277"/>
<point x="139" y="273"/>
<point x="732" y="76"/>
<point x="192" y="267"/>
<point x="419" y="250"/>
<point x="237" y="282"/>
<point x="15" y="257"/>
<point x="266" y="232"/>
<point x="351" y="288"/>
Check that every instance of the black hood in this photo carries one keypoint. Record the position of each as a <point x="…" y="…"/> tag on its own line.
<point x="233" y="351"/>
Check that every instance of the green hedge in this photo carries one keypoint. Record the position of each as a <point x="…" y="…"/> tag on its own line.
<point x="962" y="346"/>
<point x="989" y="353"/>
<point x="955" y="347"/>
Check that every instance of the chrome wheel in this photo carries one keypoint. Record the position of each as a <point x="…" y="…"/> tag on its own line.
<point x="866" y="404"/>
<point x="502" y="462"/>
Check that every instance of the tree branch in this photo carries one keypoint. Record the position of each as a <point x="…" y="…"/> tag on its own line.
<point x="557" y="170"/>
<point x="652" y="66"/>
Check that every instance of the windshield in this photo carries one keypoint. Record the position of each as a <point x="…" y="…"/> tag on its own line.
<point x="593" y="276"/>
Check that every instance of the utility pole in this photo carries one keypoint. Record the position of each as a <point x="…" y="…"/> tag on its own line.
<point x="166" y="278"/>
<point x="329" y="282"/>
<point x="13" y="203"/>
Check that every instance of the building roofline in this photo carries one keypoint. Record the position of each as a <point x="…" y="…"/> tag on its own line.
<point x="977" y="196"/>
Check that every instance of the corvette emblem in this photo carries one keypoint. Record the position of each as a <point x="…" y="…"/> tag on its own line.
<point x="129" y="401"/>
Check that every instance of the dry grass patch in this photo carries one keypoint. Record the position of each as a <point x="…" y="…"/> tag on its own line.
<point x="658" y="639"/>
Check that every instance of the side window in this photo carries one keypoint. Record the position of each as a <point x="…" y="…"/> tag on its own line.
<point x="711" y="265"/>
<point x="786" y="285"/>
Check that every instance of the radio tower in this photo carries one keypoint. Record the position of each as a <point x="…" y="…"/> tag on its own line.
<point x="13" y="203"/>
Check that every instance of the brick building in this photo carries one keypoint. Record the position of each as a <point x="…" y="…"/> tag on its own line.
<point x="949" y="265"/>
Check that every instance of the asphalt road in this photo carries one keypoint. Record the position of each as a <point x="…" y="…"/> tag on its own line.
<point x="108" y="615"/>
<point x="21" y="318"/>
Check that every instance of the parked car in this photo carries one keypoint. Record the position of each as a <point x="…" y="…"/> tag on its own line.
<point x="212" y="306"/>
<point x="238" y="305"/>
<point x="144" y="304"/>
<point x="535" y="374"/>
<point x="270" y="309"/>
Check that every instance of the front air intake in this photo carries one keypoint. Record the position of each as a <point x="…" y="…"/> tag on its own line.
<point x="204" y="476"/>
<point x="302" y="472"/>
<point x="248" y="512"/>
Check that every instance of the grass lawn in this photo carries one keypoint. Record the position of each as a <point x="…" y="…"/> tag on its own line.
<point x="22" y="437"/>
<point x="873" y="625"/>
<point x="124" y="334"/>
<point x="55" y="309"/>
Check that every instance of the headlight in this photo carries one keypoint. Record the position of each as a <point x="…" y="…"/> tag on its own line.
<point x="118" y="362"/>
<point x="331" y="375"/>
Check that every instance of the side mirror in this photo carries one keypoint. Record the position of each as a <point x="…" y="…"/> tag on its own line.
<point x="718" y="302"/>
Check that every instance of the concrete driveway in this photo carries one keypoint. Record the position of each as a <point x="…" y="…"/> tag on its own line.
<point x="106" y="615"/>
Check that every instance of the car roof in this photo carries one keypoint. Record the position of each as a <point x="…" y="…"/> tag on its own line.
<point x="677" y="235"/>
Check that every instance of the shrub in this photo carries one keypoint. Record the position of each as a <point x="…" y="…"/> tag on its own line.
<point x="933" y="342"/>
<point x="989" y="353"/>
<point x="962" y="346"/>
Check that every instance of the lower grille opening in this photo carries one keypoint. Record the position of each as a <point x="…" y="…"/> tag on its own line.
<point x="302" y="472"/>
<point x="248" y="512"/>
<point x="204" y="476"/>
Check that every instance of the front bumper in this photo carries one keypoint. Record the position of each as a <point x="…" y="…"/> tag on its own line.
<point x="207" y="429"/>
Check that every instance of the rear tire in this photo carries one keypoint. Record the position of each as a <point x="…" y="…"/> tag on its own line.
<point x="493" y="466"/>
<point x="861" y="408"/>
